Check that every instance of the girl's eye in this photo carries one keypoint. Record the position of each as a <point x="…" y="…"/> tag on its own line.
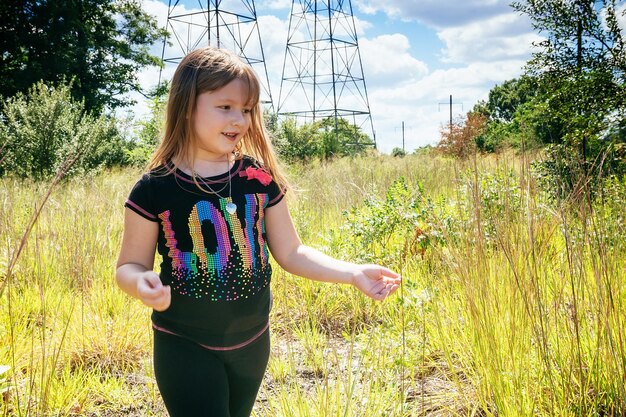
<point x="225" y="107"/>
<point x="247" y="111"/>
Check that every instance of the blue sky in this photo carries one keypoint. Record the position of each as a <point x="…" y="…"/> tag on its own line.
<point x="414" y="54"/>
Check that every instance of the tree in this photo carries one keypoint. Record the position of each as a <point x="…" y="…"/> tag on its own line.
<point x="322" y="139"/>
<point x="460" y="140"/>
<point x="581" y="35"/>
<point x="505" y="99"/>
<point x="99" y="45"/>
<point x="339" y="137"/>
<point x="149" y="131"/>
<point x="581" y="65"/>
<point x="503" y="110"/>
<point x="297" y="143"/>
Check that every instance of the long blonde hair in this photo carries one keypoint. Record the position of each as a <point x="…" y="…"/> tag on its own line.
<point x="209" y="69"/>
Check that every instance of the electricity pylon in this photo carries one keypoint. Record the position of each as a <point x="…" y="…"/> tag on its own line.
<point x="228" y="24"/>
<point x="322" y="70"/>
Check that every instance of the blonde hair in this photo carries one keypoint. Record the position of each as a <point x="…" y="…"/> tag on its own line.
<point x="209" y="69"/>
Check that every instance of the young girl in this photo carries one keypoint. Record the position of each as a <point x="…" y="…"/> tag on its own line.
<point x="211" y="205"/>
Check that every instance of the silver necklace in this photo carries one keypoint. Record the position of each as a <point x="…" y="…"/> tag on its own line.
<point x="211" y="190"/>
<point x="231" y="207"/>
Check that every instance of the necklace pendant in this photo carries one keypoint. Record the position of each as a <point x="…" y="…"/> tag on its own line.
<point x="231" y="208"/>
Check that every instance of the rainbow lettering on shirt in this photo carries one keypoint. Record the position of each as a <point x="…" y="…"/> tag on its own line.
<point x="205" y="211"/>
<point x="170" y="239"/>
<point x="238" y="265"/>
<point x="260" y="226"/>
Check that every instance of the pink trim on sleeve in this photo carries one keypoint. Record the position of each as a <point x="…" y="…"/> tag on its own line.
<point x="276" y="199"/>
<point x="140" y="210"/>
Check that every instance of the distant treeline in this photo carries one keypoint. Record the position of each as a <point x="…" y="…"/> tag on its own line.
<point x="65" y="69"/>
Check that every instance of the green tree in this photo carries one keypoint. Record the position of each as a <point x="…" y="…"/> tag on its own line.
<point x="581" y="66"/>
<point x="339" y="137"/>
<point x="297" y="142"/>
<point x="505" y="99"/>
<point x="502" y="110"/>
<point x="322" y="139"/>
<point x="100" y="44"/>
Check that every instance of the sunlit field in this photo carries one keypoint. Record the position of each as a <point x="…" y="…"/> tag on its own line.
<point x="512" y="303"/>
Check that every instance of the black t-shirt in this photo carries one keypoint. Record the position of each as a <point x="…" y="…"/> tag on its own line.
<point x="216" y="263"/>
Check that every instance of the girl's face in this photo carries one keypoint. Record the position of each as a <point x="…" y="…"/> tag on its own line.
<point x="221" y="118"/>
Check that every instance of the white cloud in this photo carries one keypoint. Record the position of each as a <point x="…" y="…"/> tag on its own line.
<point x="274" y="35"/>
<point x="158" y="10"/>
<point x="506" y="36"/>
<point x="621" y="18"/>
<point x="274" y="32"/>
<point x="387" y="60"/>
<point x="487" y="45"/>
<point x="187" y="33"/>
<point x="437" y="13"/>
<point x="275" y="4"/>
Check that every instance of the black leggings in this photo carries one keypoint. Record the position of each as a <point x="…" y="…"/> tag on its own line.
<point x="195" y="381"/>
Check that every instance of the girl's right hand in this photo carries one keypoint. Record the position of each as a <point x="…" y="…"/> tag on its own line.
<point x="152" y="292"/>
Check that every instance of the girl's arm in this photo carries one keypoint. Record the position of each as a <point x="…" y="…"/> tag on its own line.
<point x="287" y="249"/>
<point x="134" y="272"/>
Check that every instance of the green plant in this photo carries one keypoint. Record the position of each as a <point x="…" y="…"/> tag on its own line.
<point x="493" y="198"/>
<point x="565" y="174"/>
<point x="296" y="143"/>
<point x="531" y="323"/>
<point x="388" y="230"/>
<point x="41" y="130"/>
<point x="398" y="152"/>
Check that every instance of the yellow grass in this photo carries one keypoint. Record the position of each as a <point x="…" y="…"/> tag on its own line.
<point x="518" y="309"/>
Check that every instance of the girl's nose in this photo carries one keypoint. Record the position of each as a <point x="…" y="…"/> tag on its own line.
<point x="238" y="118"/>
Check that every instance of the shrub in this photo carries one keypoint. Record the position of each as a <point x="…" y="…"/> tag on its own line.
<point x="565" y="174"/>
<point x="43" y="129"/>
<point x="398" y="152"/>
<point x="494" y="196"/>
<point x="296" y="143"/>
<point x="388" y="230"/>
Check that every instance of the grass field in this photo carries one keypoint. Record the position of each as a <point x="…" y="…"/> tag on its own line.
<point x="511" y="304"/>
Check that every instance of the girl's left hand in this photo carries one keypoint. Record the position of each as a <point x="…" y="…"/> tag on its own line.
<point x="375" y="281"/>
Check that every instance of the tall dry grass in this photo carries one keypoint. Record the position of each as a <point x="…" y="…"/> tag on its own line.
<point x="516" y="309"/>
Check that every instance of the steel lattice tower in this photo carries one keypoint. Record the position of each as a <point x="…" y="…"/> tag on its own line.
<point x="322" y="71"/>
<point x="228" y="24"/>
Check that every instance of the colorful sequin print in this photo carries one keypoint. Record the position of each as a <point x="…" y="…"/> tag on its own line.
<point x="237" y="266"/>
